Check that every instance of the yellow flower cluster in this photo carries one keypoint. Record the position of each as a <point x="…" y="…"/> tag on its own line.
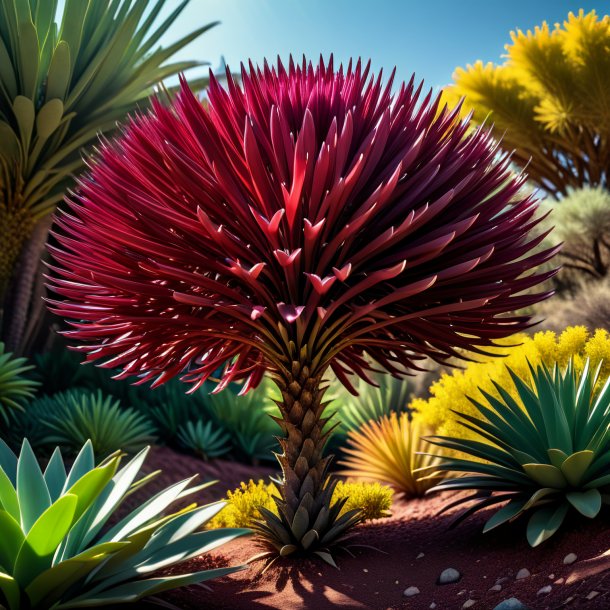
<point x="242" y="504"/>
<point x="450" y="392"/>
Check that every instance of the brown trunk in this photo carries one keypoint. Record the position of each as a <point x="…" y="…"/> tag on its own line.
<point x="308" y="521"/>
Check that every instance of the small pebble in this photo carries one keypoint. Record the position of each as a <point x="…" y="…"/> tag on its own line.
<point x="449" y="576"/>
<point x="522" y="573"/>
<point x="432" y="606"/>
<point x="569" y="600"/>
<point x="551" y="576"/>
<point x="411" y="591"/>
<point x="502" y="580"/>
<point x="544" y="590"/>
<point x="496" y="588"/>
<point x="569" y="558"/>
<point x="364" y="570"/>
<point x="469" y="603"/>
<point x="512" y="603"/>
<point x="463" y="592"/>
<point x="559" y="581"/>
<point x="396" y="582"/>
<point x="420" y="556"/>
<point x="592" y="594"/>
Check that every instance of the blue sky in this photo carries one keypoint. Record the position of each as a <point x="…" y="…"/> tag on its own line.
<point x="428" y="37"/>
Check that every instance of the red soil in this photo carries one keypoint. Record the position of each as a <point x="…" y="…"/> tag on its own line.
<point x="377" y="579"/>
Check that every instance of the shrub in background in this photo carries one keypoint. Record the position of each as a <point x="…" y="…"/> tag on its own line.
<point x="57" y="550"/>
<point x="15" y="387"/>
<point x="379" y="229"/>
<point x="548" y="101"/>
<point x="64" y="79"/>
<point x="451" y="392"/>
<point x="546" y="453"/>
<point x="204" y="439"/>
<point x="582" y="224"/>
<point x="391" y="451"/>
<point x="372" y="500"/>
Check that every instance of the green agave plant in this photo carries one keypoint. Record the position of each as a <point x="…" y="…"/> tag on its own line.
<point x="544" y="460"/>
<point x="57" y="550"/>
<point x="204" y="439"/>
<point x="76" y="416"/>
<point x="63" y="80"/>
<point x="15" y="389"/>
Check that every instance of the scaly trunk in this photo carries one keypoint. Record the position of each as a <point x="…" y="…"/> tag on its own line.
<point x="308" y="521"/>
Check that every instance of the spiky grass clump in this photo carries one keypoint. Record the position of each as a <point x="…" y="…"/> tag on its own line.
<point x="204" y="439"/>
<point x="391" y="451"/>
<point x="304" y="219"/>
<point x="545" y="455"/>
<point x="15" y="387"/>
<point x="76" y="417"/>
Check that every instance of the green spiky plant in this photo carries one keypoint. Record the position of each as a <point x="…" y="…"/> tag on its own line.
<point x="57" y="550"/>
<point x="63" y="80"/>
<point x="544" y="460"/>
<point x="204" y="439"/>
<point x="76" y="416"/>
<point x="15" y="388"/>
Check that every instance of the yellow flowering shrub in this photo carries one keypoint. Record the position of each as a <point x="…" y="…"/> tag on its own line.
<point x="450" y="392"/>
<point x="242" y="504"/>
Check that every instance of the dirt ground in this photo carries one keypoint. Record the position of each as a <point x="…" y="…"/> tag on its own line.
<point x="414" y="546"/>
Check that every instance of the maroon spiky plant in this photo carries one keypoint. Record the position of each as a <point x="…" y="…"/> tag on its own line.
<point x="305" y="219"/>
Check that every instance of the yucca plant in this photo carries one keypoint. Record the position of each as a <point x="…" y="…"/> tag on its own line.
<point x="57" y="549"/>
<point x="549" y="101"/>
<point x="63" y="80"/>
<point x="544" y="457"/>
<point x="204" y="439"/>
<point x="76" y="416"/>
<point x="15" y="387"/>
<point x="305" y="219"/>
<point x="390" y="450"/>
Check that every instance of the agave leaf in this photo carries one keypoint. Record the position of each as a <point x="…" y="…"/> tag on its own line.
<point x="557" y="457"/>
<point x="32" y="490"/>
<point x="575" y="467"/>
<point x="44" y="537"/>
<point x="11" y="540"/>
<point x="8" y="497"/>
<point x="10" y="146"/>
<point x="83" y="463"/>
<point x="546" y="475"/>
<point x="506" y="513"/>
<point x="587" y="503"/>
<point x="55" y="475"/>
<point x="51" y="584"/>
<point x="327" y="557"/>
<point x="49" y="117"/>
<point x="540" y="496"/>
<point x="10" y="589"/>
<point x="545" y="522"/>
<point x="134" y="591"/>
<point x="288" y="549"/>
<point x="300" y="523"/>
<point x="8" y="462"/>
<point x="28" y="58"/>
<point x="58" y="77"/>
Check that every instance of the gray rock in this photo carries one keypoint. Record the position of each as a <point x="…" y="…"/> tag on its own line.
<point x="411" y="591"/>
<point x="512" y="603"/>
<point x="496" y="588"/>
<point x="448" y="576"/>
<point x="469" y="603"/>
<point x="432" y="606"/>
<point x="544" y="590"/>
<point x="569" y="558"/>
<point x="522" y="573"/>
<point x="592" y="595"/>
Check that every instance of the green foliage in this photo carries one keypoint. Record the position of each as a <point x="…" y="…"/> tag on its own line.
<point x="59" y="369"/>
<point x="15" y="388"/>
<point x="369" y="500"/>
<point x="61" y="84"/>
<point x="57" y="549"/>
<point x="391" y="451"/>
<point x="547" y="453"/>
<point x="204" y="439"/>
<point x="582" y="224"/>
<point x="79" y="416"/>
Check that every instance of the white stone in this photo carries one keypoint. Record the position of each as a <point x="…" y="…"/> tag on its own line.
<point x="448" y="576"/>
<point x="411" y="591"/>
<point x="469" y="603"/>
<point x="522" y="573"/>
<point x="496" y="588"/>
<point x="592" y="594"/>
<point x="569" y="558"/>
<point x="420" y="556"/>
<point x="432" y="606"/>
<point x="544" y="590"/>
